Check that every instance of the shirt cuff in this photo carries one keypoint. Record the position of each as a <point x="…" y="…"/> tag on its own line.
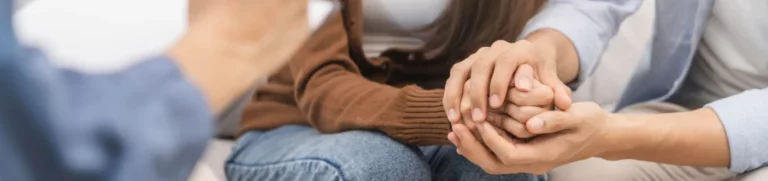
<point x="744" y="119"/>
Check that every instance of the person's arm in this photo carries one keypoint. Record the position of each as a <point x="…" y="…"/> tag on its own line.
<point x="333" y="94"/>
<point x="729" y="132"/>
<point x="148" y="122"/>
<point x="582" y="30"/>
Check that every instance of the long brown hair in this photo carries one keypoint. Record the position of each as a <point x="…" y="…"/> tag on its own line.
<point x="467" y="25"/>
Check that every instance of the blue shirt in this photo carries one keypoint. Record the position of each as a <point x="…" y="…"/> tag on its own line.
<point x="146" y="123"/>
<point x="678" y="27"/>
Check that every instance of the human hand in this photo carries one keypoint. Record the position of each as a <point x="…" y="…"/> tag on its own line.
<point x="491" y="70"/>
<point x="262" y="33"/>
<point x="240" y="41"/>
<point x="576" y="134"/>
<point x="497" y="116"/>
<point x="523" y="105"/>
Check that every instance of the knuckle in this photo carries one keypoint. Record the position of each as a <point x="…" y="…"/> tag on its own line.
<point x="482" y="65"/>
<point x="465" y="107"/>
<point x="458" y="69"/>
<point x="470" y="126"/>
<point x="524" y="116"/>
<point x="482" y="50"/>
<point x="506" y="58"/>
<point x="524" y="43"/>
<point x="499" y="43"/>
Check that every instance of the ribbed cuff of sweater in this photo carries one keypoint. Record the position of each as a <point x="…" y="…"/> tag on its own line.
<point x="423" y="120"/>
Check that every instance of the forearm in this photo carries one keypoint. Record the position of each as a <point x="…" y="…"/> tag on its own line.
<point x="695" y="138"/>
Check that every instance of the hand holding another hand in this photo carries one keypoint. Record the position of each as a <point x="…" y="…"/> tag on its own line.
<point x="521" y="105"/>
<point x="491" y="71"/>
<point x="564" y="137"/>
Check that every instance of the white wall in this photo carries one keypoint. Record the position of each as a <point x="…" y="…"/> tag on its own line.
<point x="100" y="36"/>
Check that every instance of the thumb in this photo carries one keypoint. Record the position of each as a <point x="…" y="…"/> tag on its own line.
<point x="550" y="122"/>
<point x="563" y="95"/>
<point x="562" y="92"/>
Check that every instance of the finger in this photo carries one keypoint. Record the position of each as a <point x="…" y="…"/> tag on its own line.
<point x="474" y="150"/>
<point x="503" y="71"/>
<point x="466" y="112"/>
<point x="502" y="147"/>
<point x="516" y="128"/>
<point x="523" y="113"/>
<point x="481" y="72"/>
<point x="465" y="106"/>
<point x="551" y="122"/>
<point x="453" y="138"/>
<point x="540" y="95"/>
<point x="562" y="94"/>
<point x="454" y="88"/>
<point x="524" y="78"/>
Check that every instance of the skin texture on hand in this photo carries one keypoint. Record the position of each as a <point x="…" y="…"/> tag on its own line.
<point x="550" y="54"/>
<point x="694" y="138"/>
<point x="229" y="45"/>
<point x="521" y="105"/>
<point x="576" y="134"/>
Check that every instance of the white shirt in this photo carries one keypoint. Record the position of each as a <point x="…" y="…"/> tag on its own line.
<point x="733" y="54"/>
<point x="395" y="23"/>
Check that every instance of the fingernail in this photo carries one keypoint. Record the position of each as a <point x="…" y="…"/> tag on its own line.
<point x="524" y="84"/>
<point x="458" y="151"/>
<point x="452" y="115"/>
<point x="536" y="123"/>
<point x="494" y="100"/>
<point x="477" y="114"/>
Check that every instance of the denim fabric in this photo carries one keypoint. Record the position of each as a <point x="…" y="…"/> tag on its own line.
<point x="301" y="153"/>
<point x="146" y="122"/>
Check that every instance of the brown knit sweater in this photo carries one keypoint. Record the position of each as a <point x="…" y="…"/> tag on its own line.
<point x="331" y="86"/>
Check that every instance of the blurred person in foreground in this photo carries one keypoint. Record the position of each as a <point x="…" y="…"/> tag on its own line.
<point x="696" y="108"/>
<point x="366" y="103"/>
<point x="150" y="121"/>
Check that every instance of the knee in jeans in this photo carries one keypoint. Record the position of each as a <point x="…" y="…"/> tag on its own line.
<point x="365" y="155"/>
<point x="351" y="155"/>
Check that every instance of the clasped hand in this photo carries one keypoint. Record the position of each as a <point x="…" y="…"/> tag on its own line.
<point x="522" y="133"/>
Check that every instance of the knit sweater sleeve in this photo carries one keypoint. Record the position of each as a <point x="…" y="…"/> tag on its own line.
<point x="335" y="96"/>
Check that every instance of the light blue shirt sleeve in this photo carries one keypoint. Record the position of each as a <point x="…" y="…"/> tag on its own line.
<point x="745" y="119"/>
<point x="145" y="123"/>
<point x="589" y="24"/>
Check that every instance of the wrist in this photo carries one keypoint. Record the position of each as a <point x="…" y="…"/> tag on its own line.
<point x="554" y="46"/>
<point x="621" y="137"/>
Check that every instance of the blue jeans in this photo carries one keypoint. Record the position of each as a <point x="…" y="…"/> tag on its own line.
<point x="301" y="153"/>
